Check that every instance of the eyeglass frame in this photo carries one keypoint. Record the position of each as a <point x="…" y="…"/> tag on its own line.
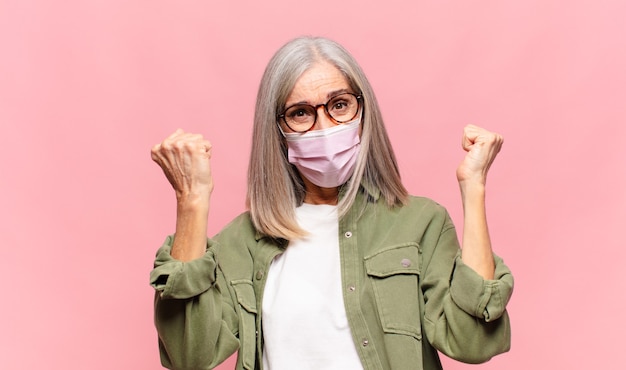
<point x="359" y="100"/>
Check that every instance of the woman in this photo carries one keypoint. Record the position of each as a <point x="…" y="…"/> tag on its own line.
<point x="334" y="266"/>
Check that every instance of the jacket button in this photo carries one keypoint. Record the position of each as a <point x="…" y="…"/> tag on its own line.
<point x="406" y="262"/>
<point x="348" y="234"/>
<point x="352" y="288"/>
<point x="259" y="274"/>
<point x="365" y="342"/>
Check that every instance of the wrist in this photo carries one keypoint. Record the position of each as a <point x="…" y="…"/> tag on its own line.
<point x="472" y="188"/>
<point x="192" y="201"/>
<point x="191" y="227"/>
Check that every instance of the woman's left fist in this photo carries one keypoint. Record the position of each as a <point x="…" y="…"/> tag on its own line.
<point x="482" y="147"/>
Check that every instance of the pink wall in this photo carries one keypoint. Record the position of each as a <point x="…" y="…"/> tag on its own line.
<point x="86" y="88"/>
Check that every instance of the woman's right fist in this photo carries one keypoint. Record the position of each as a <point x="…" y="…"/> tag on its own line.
<point x="185" y="160"/>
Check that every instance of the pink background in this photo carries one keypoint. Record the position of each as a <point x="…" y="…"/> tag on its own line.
<point x="87" y="87"/>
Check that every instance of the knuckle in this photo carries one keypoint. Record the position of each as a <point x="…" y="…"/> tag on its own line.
<point x="491" y="136"/>
<point x="167" y="144"/>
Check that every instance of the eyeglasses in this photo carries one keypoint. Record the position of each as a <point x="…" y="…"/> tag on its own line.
<point x="341" y="109"/>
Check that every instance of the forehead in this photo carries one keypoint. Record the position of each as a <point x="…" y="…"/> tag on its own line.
<point x="317" y="84"/>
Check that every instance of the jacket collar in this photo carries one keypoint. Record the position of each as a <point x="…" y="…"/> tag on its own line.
<point x="370" y="192"/>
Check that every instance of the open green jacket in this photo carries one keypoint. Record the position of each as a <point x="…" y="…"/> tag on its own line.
<point x="407" y="293"/>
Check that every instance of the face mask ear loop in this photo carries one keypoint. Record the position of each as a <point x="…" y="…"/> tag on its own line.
<point x="281" y="129"/>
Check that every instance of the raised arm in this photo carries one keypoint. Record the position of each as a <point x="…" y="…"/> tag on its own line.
<point x="193" y="310"/>
<point x="482" y="147"/>
<point x="185" y="160"/>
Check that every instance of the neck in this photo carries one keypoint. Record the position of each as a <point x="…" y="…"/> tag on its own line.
<point x="318" y="195"/>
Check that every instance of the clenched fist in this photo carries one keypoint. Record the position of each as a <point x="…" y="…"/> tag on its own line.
<point x="185" y="160"/>
<point x="481" y="146"/>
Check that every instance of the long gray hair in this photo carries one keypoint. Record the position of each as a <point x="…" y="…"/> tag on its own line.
<point x="275" y="187"/>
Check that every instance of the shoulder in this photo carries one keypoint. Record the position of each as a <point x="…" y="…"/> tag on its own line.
<point x="424" y="208"/>
<point x="240" y="225"/>
<point x="241" y="236"/>
<point x="416" y="211"/>
<point x="425" y="203"/>
<point x="236" y="235"/>
<point x="422" y="213"/>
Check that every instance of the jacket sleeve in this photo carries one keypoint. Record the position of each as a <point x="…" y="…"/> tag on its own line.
<point x="193" y="311"/>
<point x="465" y="315"/>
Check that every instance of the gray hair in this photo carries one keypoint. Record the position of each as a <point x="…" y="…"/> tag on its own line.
<point x="275" y="187"/>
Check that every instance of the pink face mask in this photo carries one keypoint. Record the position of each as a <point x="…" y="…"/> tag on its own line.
<point x="325" y="157"/>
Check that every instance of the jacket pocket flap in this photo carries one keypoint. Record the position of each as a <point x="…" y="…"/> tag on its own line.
<point x="398" y="259"/>
<point x="245" y="294"/>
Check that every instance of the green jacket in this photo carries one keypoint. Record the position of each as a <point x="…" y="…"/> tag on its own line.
<point x="406" y="292"/>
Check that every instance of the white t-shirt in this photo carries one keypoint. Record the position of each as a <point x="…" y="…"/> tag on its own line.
<point x="304" y="317"/>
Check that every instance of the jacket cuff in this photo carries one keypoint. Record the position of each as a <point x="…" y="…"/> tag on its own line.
<point x="175" y="279"/>
<point x="486" y="299"/>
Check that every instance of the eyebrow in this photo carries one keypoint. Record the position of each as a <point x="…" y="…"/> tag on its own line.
<point x="329" y="96"/>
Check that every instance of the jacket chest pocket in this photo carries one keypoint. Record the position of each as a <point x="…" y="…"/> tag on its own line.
<point x="247" y="321"/>
<point x="394" y="273"/>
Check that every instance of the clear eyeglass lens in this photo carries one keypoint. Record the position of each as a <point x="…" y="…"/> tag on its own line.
<point x="300" y="115"/>
<point x="342" y="108"/>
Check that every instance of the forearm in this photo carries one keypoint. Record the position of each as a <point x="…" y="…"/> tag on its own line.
<point x="191" y="228"/>
<point x="194" y="317"/>
<point x="476" y="243"/>
<point x="465" y="315"/>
